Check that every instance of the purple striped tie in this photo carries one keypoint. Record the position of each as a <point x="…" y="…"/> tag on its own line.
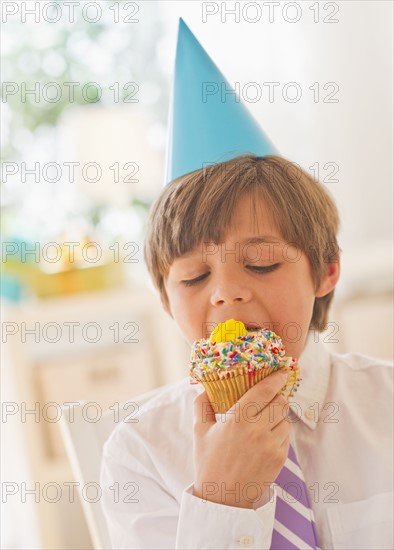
<point x="294" y="526"/>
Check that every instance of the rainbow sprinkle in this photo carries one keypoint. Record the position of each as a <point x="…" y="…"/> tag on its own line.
<point x="245" y="353"/>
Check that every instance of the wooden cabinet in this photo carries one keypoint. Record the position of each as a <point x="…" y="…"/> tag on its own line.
<point x="101" y="348"/>
<point x="101" y="379"/>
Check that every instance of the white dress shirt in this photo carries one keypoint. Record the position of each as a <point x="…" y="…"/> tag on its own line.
<point x="342" y="434"/>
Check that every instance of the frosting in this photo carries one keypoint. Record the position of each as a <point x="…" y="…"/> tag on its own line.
<point x="230" y="344"/>
<point x="229" y="330"/>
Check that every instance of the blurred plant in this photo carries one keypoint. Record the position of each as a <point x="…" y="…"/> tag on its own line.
<point x="64" y="52"/>
<point x="82" y="52"/>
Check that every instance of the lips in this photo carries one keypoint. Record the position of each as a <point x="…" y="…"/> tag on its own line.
<point x="253" y="328"/>
<point x="250" y="326"/>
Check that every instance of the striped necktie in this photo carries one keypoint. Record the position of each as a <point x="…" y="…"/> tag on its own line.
<point x="294" y="526"/>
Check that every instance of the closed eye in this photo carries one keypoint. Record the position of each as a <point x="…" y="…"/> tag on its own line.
<point x="191" y="282"/>
<point x="255" y="268"/>
<point x="263" y="269"/>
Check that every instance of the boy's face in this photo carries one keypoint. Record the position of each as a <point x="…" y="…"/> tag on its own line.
<point x="267" y="284"/>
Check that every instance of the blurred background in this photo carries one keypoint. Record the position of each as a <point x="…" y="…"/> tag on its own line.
<point x="85" y="94"/>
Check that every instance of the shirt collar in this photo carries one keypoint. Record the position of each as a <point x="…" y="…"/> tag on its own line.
<point x="314" y="363"/>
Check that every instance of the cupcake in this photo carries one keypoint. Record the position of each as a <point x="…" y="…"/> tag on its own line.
<point x="234" y="359"/>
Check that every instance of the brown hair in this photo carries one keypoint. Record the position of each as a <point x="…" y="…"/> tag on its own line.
<point x="197" y="207"/>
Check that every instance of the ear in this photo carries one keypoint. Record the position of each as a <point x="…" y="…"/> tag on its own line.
<point x="330" y="278"/>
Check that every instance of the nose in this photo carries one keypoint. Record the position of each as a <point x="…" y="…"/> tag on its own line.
<point x="229" y="291"/>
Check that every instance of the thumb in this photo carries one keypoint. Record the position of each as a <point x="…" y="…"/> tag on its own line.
<point x="204" y="416"/>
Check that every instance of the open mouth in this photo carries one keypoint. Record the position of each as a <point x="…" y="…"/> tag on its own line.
<point x="252" y="328"/>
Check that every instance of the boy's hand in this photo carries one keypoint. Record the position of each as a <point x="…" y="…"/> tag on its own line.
<point x="235" y="461"/>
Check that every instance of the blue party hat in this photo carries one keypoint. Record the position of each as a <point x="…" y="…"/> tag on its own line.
<point x="207" y="121"/>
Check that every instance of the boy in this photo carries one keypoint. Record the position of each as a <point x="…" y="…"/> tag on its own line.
<point x="253" y="239"/>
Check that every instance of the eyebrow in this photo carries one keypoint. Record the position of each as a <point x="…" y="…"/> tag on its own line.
<point x="261" y="239"/>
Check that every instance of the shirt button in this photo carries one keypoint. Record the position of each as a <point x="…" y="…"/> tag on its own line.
<point x="310" y="415"/>
<point x="246" y="541"/>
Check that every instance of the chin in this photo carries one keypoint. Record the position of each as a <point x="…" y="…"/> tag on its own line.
<point x="294" y="349"/>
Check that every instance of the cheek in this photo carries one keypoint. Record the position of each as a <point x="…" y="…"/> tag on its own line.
<point x="185" y="309"/>
<point x="290" y="304"/>
<point x="285" y="297"/>
<point x="294" y="315"/>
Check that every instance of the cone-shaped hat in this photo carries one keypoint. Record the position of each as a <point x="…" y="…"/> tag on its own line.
<point x="207" y="121"/>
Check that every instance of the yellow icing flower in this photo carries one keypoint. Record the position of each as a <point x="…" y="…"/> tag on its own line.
<point x="229" y="330"/>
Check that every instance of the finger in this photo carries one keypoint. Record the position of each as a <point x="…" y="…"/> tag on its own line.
<point x="204" y="415"/>
<point x="281" y="431"/>
<point x="284" y="448"/>
<point x="266" y="415"/>
<point x="275" y="412"/>
<point x="265" y="390"/>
